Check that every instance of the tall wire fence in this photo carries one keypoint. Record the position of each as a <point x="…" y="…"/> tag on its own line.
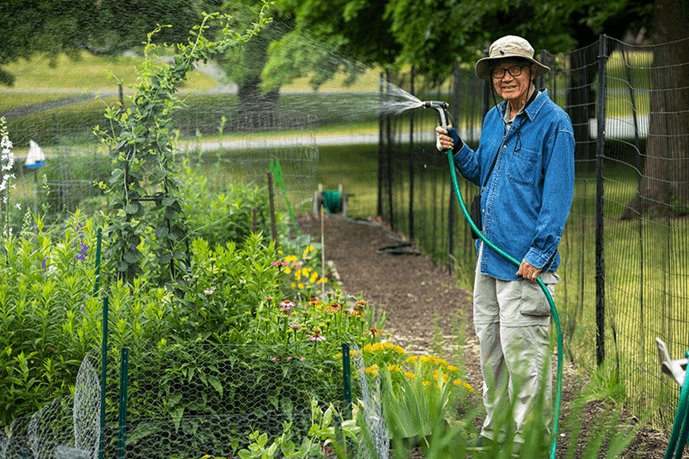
<point x="625" y="260"/>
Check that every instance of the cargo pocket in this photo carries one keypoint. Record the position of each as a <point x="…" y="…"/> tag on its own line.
<point x="533" y="301"/>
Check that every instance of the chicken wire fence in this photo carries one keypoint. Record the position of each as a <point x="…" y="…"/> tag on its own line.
<point x="230" y="147"/>
<point x="625" y="249"/>
<point x="65" y="428"/>
<point x="191" y="400"/>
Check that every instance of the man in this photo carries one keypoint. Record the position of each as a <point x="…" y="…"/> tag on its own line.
<point x="525" y="168"/>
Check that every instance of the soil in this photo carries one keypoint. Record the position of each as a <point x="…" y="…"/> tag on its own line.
<point x="421" y="298"/>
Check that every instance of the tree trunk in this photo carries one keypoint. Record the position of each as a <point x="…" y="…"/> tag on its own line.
<point x="666" y="173"/>
<point x="257" y="111"/>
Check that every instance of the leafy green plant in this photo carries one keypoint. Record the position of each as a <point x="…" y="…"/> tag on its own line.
<point x="141" y="138"/>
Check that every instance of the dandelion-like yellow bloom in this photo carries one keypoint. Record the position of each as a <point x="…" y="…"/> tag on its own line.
<point x="290" y="258"/>
<point x="300" y="286"/>
<point x="297" y="275"/>
<point x="313" y="278"/>
<point x="286" y="270"/>
<point x="305" y="272"/>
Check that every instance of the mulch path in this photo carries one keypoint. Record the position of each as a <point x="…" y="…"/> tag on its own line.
<point x="423" y="302"/>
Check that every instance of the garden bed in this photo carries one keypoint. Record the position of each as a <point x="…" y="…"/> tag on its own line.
<point x="421" y="296"/>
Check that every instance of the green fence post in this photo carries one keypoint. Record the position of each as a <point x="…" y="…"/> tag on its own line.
<point x="122" y="419"/>
<point x="347" y="380"/>
<point x="99" y="238"/>
<point x="104" y="370"/>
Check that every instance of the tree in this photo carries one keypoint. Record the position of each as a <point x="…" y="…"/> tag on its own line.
<point x="667" y="164"/>
<point x="98" y="26"/>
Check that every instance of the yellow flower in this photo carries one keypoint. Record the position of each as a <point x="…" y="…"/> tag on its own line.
<point x="372" y="370"/>
<point x="286" y="270"/>
<point x="300" y="286"/>
<point x="293" y="285"/>
<point x="392" y="368"/>
<point x="313" y="278"/>
<point x="290" y="258"/>
<point x="426" y="383"/>
<point x="297" y="275"/>
<point x="412" y="359"/>
<point x="452" y="368"/>
<point x="409" y="374"/>
<point x="305" y="272"/>
<point x="458" y="382"/>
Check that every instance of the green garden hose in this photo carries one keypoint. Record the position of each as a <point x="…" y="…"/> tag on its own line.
<point x="553" y="310"/>
<point x="680" y="429"/>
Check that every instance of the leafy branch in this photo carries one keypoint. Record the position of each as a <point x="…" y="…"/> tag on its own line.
<point x="147" y="207"/>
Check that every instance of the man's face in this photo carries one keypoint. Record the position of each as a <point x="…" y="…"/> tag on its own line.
<point x="513" y="88"/>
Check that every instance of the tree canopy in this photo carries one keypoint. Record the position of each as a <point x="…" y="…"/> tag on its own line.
<point x="97" y="26"/>
<point x="432" y="34"/>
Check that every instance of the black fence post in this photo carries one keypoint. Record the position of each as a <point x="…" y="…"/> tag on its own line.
<point x="451" y="204"/>
<point x="388" y="152"/>
<point x="486" y="94"/>
<point x="600" y="154"/>
<point x="411" y="162"/>
<point x="379" y="210"/>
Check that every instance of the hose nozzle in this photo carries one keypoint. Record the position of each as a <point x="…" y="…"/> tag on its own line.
<point x="440" y="107"/>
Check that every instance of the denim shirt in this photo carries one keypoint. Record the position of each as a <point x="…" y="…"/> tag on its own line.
<point x="526" y="202"/>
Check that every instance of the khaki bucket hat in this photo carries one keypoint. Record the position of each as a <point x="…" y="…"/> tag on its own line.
<point x="509" y="46"/>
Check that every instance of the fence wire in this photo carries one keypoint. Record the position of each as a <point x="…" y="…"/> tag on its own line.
<point x="65" y="428"/>
<point x="624" y="252"/>
<point x="192" y="400"/>
<point x="235" y="146"/>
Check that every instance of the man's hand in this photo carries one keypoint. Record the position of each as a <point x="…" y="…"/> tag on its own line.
<point x="447" y="140"/>
<point x="528" y="272"/>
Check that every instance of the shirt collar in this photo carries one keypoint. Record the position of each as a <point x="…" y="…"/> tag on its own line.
<point x="530" y="108"/>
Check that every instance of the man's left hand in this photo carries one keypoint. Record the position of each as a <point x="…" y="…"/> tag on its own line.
<point x="527" y="271"/>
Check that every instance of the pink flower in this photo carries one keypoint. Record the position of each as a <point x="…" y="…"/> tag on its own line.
<point x="209" y="291"/>
<point x="286" y="306"/>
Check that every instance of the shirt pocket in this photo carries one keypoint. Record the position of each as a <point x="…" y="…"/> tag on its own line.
<point x="523" y="167"/>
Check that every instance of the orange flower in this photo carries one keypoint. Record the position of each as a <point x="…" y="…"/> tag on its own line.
<point x="374" y="331"/>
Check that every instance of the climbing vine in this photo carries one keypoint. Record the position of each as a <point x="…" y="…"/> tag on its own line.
<point x="146" y="205"/>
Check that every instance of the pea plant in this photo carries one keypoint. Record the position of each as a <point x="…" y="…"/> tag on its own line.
<point x="140" y="141"/>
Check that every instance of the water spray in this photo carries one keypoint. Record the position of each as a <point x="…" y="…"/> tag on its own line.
<point x="444" y="122"/>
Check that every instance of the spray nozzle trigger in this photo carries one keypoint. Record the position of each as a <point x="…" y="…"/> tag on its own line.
<point x="441" y="109"/>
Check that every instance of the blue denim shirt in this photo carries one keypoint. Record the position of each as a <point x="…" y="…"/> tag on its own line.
<point x="527" y="199"/>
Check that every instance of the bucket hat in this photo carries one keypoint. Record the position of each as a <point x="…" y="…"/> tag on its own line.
<point x="509" y="46"/>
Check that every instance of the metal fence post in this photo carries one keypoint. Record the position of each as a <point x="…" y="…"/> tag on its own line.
<point x="600" y="154"/>
<point x="485" y="104"/>
<point x="347" y="380"/>
<point x="411" y="163"/>
<point x="379" y="210"/>
<point x="388" y="152"/>
<point x="122" y="419"/>
<point x="103" y="380"/>
<point x="99" y="238"/>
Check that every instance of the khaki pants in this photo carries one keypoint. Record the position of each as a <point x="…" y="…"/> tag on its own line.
<point x="512" y="319"/>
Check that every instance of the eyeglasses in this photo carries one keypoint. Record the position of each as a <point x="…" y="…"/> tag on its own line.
<point x="499" y="73"/>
